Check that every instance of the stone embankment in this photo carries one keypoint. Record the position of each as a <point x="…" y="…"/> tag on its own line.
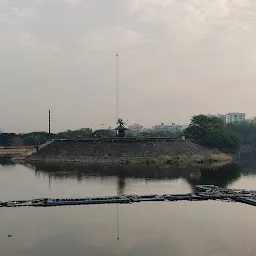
<point x="120" y="152"/>
<point x="15" y="152"/>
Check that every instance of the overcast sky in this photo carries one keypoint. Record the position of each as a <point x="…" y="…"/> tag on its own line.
<point x="177" y="58"/>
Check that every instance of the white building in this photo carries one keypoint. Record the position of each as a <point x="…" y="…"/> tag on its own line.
<point x="161" y="127"/>
<point x="231" y="117"/>
<point x="166" y="127"/>
<point x="137" y="128"/>
<point x="234" y="118"/>
<point x="252" y="120"/>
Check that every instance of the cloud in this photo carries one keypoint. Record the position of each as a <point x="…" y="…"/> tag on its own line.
<point x="190" y="19"/>
<point x="23" y="13"/>
<point x="115" y="38"/>
<point x="71" y="2"/>
<point x="173" y="54"/>
<point x="149" y="5"/>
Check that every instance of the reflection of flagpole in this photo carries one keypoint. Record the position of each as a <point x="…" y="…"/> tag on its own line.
<point x="117" y="220"/>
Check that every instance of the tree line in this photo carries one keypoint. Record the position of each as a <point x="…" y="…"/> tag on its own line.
<point x="37" y="138"/>
<point x="212" y="132"/>
<point x="205" y="130"/>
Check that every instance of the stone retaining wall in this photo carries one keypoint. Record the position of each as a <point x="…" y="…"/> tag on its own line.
<point x="112" y="151"/>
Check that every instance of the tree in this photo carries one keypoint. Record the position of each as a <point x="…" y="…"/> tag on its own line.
<point x="164" y="133"/>
<point x="30" y="141"/>
<point x="6" y="139"/>
<point x="245" y="131"/>
<point x="36" y="138"/>
<point x="212" y="132"/>
<point x="202" y="124"/>
<point x="76" y="134"/>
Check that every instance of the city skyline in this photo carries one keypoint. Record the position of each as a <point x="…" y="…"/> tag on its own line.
<point x="177" y="59"/>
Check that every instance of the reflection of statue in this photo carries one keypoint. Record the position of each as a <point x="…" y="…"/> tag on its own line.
<point x="120" y="185"/>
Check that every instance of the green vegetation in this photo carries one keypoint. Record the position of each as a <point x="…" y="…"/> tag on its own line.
<point x="6" y="138"/>
<point x="152" y="133"/>
<point x="212" y="132"/>
<point x="37" y="138"/>
<point x="217" y="158"/>
<point x="75" y="135"/>
<point x="207" y="131"/>
<point x="103" y="133"/>
<point x="245" y="131"/>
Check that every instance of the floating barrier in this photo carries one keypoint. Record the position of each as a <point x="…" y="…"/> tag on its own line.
<point x="246" y="200"/>
<point x="202" y="193"/>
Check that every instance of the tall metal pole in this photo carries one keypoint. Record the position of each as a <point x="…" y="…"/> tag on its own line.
<point x="49" y="122"/>
<point x="117" y="88"/>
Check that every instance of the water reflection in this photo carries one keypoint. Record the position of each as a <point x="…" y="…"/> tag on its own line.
<point x="220" y="176"/>
<point x="178" y="228"/>
<point x="6" y="161"/>
<point x="248" y="163"/>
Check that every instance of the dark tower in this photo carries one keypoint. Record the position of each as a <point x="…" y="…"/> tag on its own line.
<point x="49" y="122"/>
<point x="120" y="128"/>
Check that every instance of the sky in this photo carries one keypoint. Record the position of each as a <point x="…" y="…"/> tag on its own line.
<point x="177" y="58"/>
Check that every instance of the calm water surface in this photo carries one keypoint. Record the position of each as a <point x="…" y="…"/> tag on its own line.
<point x="174" y="228"/>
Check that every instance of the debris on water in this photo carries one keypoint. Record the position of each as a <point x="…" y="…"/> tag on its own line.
<point x="9" y="235"/>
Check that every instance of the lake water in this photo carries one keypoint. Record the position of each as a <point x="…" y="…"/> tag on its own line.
<point x="157" y="228"/>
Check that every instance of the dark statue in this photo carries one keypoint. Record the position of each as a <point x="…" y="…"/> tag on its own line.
<point x="120" y="128"/>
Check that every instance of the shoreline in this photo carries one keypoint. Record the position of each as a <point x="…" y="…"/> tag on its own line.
<point x="161" y="161"/>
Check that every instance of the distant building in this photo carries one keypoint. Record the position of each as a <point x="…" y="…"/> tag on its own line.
<point x="166" y="127"/>
<point x="136" y="128"/>
<point x="233" y="118"/>
<point x="252" y="120"/>
<point x="161" y="127"/>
